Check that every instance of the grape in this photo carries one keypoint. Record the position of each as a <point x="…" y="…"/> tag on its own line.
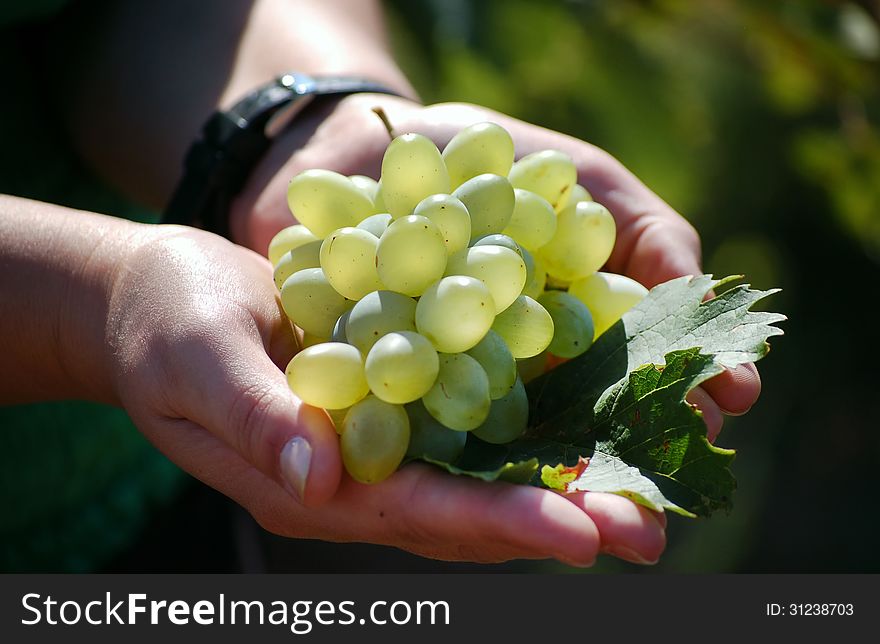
<point x="572" y="324"/>
<point x="348" y="257"/>
<point x="550" y="174"/>
<point x="401" y="367"/>
<point x="287" y="239"/>
<point x="379" y="313"/>
<point x="379" y="200"/>
<point x="429" y="439"/>
<point x="329" y="375"/>
<point x="508" y="417"/>
<point x="533" y="221"/>
<point x="495" y="358"/>
<point x="376" y="224"/>
<point x="337" y="416"/>
<point x="489" y="200"/>
<point x="411" y="255"/>
<point x="583" y="242"/>
<point x="608" y="296"/>
<point x="497" y="239"/>
<point x="412" y="169"/>
<point x="455" y="313"/>
<point x="478" y="149"/>
<point x="536" y="275"/>
<point x="531" y="368"/>
<point x="306" y="256"/>
<point x="323" y="201"/>
<point x="310" y="340"/>
<point x="338" y="334"/>
<point x="375" y="435"/>
<point x="367" y="185"/>
<point x="579" y="193"/>
<point x="525" y="326"/>
<point x="311" y="302"/>
<point x="460" y="397"/>
<point x="451" y="217"/>
<point x="502" y="270"/>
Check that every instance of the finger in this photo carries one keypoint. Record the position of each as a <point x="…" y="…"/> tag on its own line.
<point x="735" y="390"/>
<point x="712" y="415"/>
<point x="236" y="392"/>
<point x="431" y="513"/>
<point x="627" y="530"/>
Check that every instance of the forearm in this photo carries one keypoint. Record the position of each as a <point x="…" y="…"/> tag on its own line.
<point x="56" y="272"/>
<point x="157" y="70"/>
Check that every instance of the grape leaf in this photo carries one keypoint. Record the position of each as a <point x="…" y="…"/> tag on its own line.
<point x="615" y="419"/>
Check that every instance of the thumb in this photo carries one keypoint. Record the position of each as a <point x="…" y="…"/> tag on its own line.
<point x="240" y="396"/>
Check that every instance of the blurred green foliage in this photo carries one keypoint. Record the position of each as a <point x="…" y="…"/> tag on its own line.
<point x="759" y="122"/>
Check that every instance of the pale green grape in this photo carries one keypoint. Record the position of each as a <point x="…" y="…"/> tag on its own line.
<point x="411" y="255"/>
<point x="536" y="275"/>
<point x="508" y="417"/>
<point x="451" y="217"/>
<point x="412" y="169"/>
<point x="338" y="334"/>
<point x="478" y="149"/>
<point x="306" y="256"/>
<point x="455" y="313"/>
<point x="376" y="224"/>
<point x="379" y="313"/>
<point x="525" y="326"/>
<point x="549" y="173"/>
<point x="401" y="367"/>
<point x="367" y="185"/>
<point x="579" y="193"/>
<point x="429" y="439"/>
<point x="533" y="222"/>
<point x="460" y="397"/>
<point x="553" y="282"/>
<point x="329" y="375"/>
<point x="498" y="363"/>
<point x="323" y="200"/>
<point x="348" y="257"/>
<point x="584" y="239"/>
<point x="497" y="239"/>
<point x="531" y="368"/>
<point x="287" y="239"/>
<point x="608" y="296"/>
<point x="337" y="416"/>
<point x="310" y="340"/>
<point x="311" y="302"/>
<point x="489" y="200"/>
<point x="572" y="324"/>
<point x="379" y="200"/>
<point x="375" y="435"/>
<point x="502" y="270"/>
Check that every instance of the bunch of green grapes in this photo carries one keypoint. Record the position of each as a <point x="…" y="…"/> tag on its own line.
<point x="427" y="298"/>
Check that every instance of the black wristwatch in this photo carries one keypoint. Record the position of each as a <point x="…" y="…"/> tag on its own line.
<point x="232" y="143"/>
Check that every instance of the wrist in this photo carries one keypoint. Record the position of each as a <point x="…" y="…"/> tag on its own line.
<point x="64" y="263"/>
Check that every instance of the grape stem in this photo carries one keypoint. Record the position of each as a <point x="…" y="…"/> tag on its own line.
<point x="378" y="111"/>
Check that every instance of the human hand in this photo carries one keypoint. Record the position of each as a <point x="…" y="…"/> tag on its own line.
<point x="654" y="243"/>
<point x="196" y="339"/>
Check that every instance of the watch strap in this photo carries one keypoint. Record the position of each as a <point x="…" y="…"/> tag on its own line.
<point x="233" y="142"/>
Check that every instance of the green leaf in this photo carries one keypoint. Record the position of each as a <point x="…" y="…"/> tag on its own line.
<point x="620" y="409"/>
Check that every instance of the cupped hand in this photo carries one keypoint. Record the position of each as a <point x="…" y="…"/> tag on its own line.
<point x="654" y="243"/>
<point x="197" y="343"/>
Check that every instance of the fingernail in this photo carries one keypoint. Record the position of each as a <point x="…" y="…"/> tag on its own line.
<point x="296" y="458"/>
<point x="577" y="564"/>
<point x="622" y="552"/>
